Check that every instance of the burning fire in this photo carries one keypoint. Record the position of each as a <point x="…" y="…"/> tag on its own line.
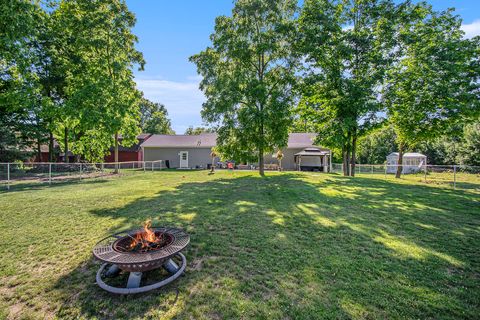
<point x="146" y="239"/>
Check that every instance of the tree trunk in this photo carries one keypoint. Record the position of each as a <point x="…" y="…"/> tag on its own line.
<point x="116" y="152"/>
<point x="344" y="160"/>
<point x="354" y="148"/>
<point x="66" y="145"/>
<point x="213" y="164"/>
<point x="261" y="162"/>
<point x="39" y="150"/>
<point x="347" y="160"/>
<point x="50" y="147"/>
<point x="400" y="160"/>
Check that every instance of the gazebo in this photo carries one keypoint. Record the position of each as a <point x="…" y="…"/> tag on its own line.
<point x="313" y="159"/>
<point x="412" y="162"/>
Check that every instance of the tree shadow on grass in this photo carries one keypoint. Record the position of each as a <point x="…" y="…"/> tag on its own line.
<point x="287" y="247"/>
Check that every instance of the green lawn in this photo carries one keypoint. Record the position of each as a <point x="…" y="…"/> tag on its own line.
<point x="287" y="246"/>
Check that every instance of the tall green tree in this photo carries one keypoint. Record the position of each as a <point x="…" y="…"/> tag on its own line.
<point x="154" y="118"/>
<point x="247" y="78"/>
<point x="18" y="20"/>
<point x="347" y="47"/>
<point x="435" y="86"/>
<point x="101" y="99"/>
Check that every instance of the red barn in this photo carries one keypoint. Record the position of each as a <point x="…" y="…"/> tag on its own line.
<point x="133" y="153"/>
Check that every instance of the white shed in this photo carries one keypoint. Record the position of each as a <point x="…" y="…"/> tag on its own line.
<point x="412" y="162"/>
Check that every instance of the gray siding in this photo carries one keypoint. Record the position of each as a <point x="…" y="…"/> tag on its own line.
<point x="196" y="156"/>
<point x="288" y="160"/>
<point x="201" y="156"/>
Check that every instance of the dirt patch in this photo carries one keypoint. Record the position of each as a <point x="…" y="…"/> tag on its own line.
<point x="15" y="310"/>
<point x="197" y="263"/>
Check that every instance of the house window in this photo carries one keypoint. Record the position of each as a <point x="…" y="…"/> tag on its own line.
<point x="184" y="156"/>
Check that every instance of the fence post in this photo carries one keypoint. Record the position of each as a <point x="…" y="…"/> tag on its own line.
<point x="103" y="166"/>
<point x="152" y="165"/>
<point x="386" y="166"/>
<point x="133" y="165"/>
<point x="143" y="166"/>
<point x="80" y="170"/>
<point x="8" y="176"/>
<point x="454" y="177"/>
<point x="425" y="173"/>
<point x="50" y="173"/>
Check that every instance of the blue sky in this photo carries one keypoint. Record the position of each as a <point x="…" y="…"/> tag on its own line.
<point x="171" y="31"/>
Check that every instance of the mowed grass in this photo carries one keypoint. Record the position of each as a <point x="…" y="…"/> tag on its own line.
<point x="286" y="246"/>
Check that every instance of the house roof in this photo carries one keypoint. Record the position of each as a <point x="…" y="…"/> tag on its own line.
<point x="204" y="140"/>
<point x="301" y="140"/>
<point x="407" y="155"/>
<point x="208" y="140"/>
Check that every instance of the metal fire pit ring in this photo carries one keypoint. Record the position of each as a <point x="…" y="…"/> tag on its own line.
<point x="106" y="250"/>
<point x="153" y="286"/>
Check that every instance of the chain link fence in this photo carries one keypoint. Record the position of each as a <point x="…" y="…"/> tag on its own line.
<point x="454" y="176"/>
<point x="49" y="172"/>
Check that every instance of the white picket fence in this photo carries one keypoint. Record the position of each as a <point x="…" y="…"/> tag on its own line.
<point x="48" y="172"/>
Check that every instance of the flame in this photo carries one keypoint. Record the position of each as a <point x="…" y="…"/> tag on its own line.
<point x="146" y="237"/>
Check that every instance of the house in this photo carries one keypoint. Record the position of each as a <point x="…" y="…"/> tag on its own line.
<point x="193" y="151"/>
<point x="132" y="153"/>
<point x="180" y="151"/>
<point x="412" y="162"/>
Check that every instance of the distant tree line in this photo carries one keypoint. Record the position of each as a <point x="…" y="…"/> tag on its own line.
<point x="192" y="131"/>
<point x="462" y="148"/>
<point x="370" y="77"/>
<point x="66" y="72"/>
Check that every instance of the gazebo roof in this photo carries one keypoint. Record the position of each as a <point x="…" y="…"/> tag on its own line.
<point x="408" y="155"/>
<point x="312" y="152"/>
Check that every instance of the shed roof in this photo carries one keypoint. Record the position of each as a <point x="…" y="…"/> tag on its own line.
<point x="407" y="155"/>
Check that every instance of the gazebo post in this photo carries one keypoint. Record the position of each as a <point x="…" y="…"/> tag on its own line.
<point x="330" y="160"/>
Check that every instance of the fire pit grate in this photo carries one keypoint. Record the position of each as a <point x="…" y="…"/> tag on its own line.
<point x="124" y="252"/>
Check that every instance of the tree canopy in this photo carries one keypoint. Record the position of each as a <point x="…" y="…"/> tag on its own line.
<point x="193" y="131"/>
<point x="435" y="84"/>
<point x="247" y="78"/>
<point x="347" y="47"/>
<point x="67" y="73"/>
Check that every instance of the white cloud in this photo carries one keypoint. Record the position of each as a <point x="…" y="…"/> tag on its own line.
<point x="471" y="29"/>
<point x="183" y="100"/>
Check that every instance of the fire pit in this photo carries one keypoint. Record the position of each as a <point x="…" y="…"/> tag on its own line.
<point x="139" y="251"/>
